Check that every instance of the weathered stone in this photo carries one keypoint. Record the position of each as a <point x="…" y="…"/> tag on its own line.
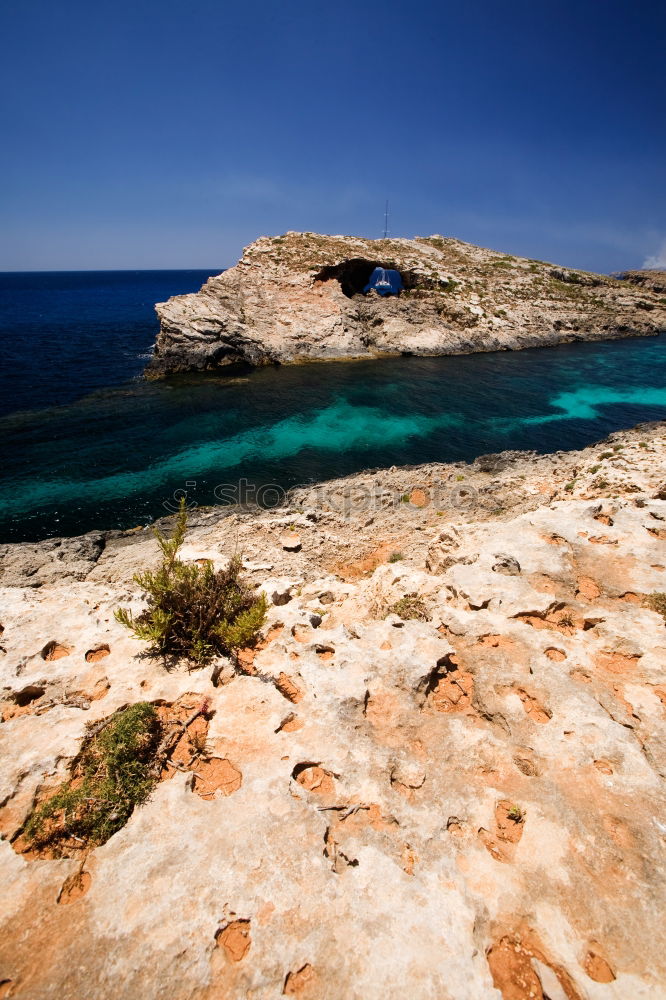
<point x="382" y="807"/>
<point x="51" y="561"/>
<point x="278" y="591"/>
<point x="507" y="565"/>
<point x="291" y="541"/>
<point x="296" y="298"/>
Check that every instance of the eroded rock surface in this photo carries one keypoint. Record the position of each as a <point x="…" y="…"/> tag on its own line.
<point x="298" y="297"/>
<point x="468" y="806"/>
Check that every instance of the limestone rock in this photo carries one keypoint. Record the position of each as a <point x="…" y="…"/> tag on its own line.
<point x="291" y="541"/>
<point x="51" y="561"/>
<point x="507" y="565"/>
<point x="278" y="590"/>
<point x="297" y="298"/>
<point x="655" y="279"/>
<point x="468" y="805"/>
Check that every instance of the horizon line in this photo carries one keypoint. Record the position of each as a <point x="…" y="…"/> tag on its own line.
<point x="97" y="270"/>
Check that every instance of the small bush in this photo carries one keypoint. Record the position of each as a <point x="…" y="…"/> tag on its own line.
<point x="193" y="611"/>
<point x="607" y="454"/>
<point x="657" y="602"/>
<point x="570" y="486"/>
<point x="112" y="774"/>
<point x="410" y="607"/>
<point x="395" y="557"/>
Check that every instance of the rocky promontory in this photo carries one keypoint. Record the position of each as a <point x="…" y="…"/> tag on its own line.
<point x="438" y="774"/>
<point x="299" y="297"/>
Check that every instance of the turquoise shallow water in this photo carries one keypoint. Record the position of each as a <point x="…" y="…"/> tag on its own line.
<point x="117" y="456"/>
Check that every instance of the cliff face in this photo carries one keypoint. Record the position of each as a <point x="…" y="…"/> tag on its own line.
<point x="439" y="774"/>
<point x="297" y="298"/>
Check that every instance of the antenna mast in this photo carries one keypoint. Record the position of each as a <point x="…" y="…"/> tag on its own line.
<point x="386" y="215"/>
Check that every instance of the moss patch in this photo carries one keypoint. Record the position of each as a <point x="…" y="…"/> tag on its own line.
<point x="112" y="774"/>
<point x="411" y="606"/>
<point x="657" y="602"/>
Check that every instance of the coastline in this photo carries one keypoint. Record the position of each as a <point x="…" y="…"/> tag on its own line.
<point x="381" y="492"/>
<point x="153" y="371"/>
<point x="455" y="715"/>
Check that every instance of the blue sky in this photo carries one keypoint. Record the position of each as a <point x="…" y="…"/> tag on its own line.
<point x="170" y="134"/>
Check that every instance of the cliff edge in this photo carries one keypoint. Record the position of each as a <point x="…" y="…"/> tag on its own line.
<point x="299" y="297"/>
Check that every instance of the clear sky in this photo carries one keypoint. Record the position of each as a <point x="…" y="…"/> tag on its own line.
<point x="156" y="133"/>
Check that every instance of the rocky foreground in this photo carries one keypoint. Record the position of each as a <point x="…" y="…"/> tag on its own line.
<point x="298" y="297"/>
<point x="439" y="775"/>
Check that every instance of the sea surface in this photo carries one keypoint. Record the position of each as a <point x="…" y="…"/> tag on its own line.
<point x="86" y="443"/>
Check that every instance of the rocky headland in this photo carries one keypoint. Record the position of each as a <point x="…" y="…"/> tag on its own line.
<point x="298" y="298"/>
<point x="439" y="774"/>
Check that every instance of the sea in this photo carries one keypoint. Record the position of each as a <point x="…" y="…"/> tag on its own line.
<point x="87" y="443"/>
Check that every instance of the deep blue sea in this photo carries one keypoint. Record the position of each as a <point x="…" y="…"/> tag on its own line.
<point x="86" y="443"/>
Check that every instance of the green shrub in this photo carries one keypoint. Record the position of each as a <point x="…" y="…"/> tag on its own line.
<point x="395" y="557"/>
<point x="112" y="774"/>
<point x="194" y="611"/>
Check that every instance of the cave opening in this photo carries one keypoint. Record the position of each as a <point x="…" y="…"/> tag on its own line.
<point x="354" y="274"/>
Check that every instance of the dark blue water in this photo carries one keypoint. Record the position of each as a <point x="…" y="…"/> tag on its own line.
<point x="113" y="457"/>
<point x="66" y="333"/>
